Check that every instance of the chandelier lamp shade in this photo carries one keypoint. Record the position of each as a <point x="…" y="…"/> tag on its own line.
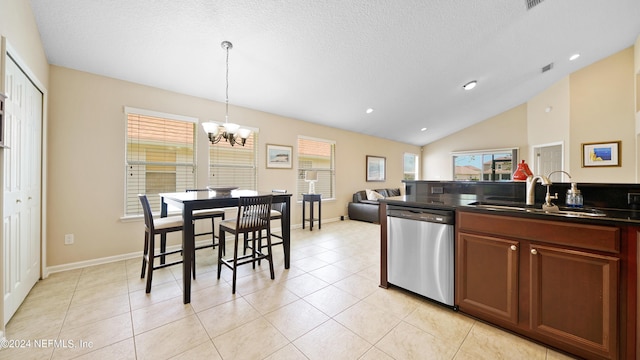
<point x="230" y="132"/>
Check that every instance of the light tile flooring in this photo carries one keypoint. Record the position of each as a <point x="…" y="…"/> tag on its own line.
<point x="326" y="306"/>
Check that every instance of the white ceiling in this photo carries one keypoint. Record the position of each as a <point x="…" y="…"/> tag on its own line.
<point x="327" y="61"/>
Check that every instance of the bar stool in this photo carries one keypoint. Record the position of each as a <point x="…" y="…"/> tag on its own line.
<point x="254" y="215"/>
<point x="152" y="227"/>
<point x="276" y="214"/>
<point x="206" y="214"/>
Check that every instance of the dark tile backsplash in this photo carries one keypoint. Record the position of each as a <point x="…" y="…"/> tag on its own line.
<point x="614" y="196"/>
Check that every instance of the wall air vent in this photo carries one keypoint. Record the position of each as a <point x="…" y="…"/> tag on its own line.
<point x="532" y="3"/>
<point x="547" y="67"/>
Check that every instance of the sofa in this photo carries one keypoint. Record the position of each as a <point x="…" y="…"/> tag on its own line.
<point x="364" y="207"/>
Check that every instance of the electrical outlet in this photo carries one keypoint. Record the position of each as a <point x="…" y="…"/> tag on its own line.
<point x="68" y="239"/>
<point x="633" y="198"/>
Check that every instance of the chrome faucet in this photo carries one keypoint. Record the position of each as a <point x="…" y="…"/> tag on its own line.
<point x="531" y="187"/>
<point x="559" y="171"/>
<point x="548" y="206"/>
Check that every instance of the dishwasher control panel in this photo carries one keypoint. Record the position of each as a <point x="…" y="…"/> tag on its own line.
<point x="435" y="216"/>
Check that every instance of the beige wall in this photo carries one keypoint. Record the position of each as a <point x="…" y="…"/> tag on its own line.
<point x="18" y="26"/>
<point x="548" y="120"/>
<point x="602" y="109"/>
<point x="86" y="160"/>
<point x="636" y="71"/>
<point x="593" y="104"/>
<point x="18" y="30"/>
<point x="506" y="130"/>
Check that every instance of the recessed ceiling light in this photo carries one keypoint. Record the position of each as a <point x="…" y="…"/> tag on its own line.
<point x="369" y="110"/>
<point x="423" y="129"/>
<point x="574" y="56"/>
<point x="470" y="85"/>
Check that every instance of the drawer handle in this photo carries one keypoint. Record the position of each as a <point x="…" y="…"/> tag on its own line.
<point x="514" y="248"/>
<point x="534" y="251"/>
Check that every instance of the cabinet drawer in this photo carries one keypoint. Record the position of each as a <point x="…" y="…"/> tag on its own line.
<point x="585" y="236"/>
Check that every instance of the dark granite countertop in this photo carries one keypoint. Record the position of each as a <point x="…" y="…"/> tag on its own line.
<point x="513" y="207"/>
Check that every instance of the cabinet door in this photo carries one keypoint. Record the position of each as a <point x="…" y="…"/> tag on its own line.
<point x="487" y="277"/>
<point x="574" y="298"/>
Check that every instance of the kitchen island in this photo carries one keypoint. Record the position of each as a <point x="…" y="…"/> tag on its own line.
<point x="566" y="280"/>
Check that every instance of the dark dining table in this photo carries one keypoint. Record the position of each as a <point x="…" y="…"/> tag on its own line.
<point x="211" y="199"/>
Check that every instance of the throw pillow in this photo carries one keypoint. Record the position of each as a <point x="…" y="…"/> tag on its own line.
<point x="373" y="195"/>
<point x="393" y="192"/>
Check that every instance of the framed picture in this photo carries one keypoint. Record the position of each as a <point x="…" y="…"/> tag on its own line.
<point x="601" y="154"/>
<point x="279" y="156"/>
<point x="376" y="168"/>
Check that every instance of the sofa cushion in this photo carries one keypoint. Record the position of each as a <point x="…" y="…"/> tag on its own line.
<point x="382" y="192"/>
<point x="393" y="192"/>
<point x="373" y="195"/>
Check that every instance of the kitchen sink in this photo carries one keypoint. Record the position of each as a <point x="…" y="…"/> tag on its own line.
<point x="589" y="212"/>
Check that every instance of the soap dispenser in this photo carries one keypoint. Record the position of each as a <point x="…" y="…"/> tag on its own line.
<point x="574" y="197"/>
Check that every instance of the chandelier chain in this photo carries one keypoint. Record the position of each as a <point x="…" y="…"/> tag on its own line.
<point x="230" y="132"/>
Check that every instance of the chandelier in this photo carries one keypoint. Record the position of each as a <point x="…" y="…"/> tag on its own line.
<point x="230" y="132"/>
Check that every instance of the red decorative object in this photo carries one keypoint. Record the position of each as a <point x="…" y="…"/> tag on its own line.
<point x="522" y="172"/>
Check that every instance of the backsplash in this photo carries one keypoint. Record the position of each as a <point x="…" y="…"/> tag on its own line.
<point x="614" y="196"/>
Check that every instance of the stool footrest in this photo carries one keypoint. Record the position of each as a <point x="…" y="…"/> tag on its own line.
<point x="244" y="259"/>
<point x="156" y="267"/>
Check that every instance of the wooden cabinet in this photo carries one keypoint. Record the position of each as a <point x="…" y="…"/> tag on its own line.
<point x="574" y="298"/>
<point x="490" y="282"/>
<point x="553" y="281"/>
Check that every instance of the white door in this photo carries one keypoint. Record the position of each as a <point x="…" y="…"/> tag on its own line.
<point x="548" y="159"/>
<point x="22" y="187"/>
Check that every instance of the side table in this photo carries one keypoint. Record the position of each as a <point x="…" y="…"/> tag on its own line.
<point x="312" y="198"/>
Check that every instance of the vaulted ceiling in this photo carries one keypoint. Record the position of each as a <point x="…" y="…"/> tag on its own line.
<point x="328" y="61"/>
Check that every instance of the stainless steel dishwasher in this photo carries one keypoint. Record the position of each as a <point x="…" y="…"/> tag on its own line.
<point x="420" y="251"/>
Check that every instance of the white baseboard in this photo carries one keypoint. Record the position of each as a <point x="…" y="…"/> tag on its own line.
<point x="109" y="259"/>
<point x="92" y="262"/>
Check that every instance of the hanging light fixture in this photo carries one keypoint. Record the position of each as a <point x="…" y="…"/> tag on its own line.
<point x="230" y="132"/>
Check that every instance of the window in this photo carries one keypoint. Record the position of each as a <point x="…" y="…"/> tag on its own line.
<point x="160" y="156"/>
<point x="318" y="155"/>
<point x="410" y="167"/>
<point x="487" y="165"/>
<point x="234" y="165"/>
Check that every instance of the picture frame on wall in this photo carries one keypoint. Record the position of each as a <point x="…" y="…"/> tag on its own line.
<point x="376" y="168"/>
<point x="279" y="156"/>
<point x="601" y="154"/>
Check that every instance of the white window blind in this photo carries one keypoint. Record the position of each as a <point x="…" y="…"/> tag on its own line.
<point x="410" y="166"/>
<point x="318" y="155"/>
<point x="160" y="156"/>
<point x="234" y="165"/>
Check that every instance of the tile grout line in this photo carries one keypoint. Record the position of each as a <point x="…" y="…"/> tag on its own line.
<point x="133" y="332"/>
<point x="66" y="313"/>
